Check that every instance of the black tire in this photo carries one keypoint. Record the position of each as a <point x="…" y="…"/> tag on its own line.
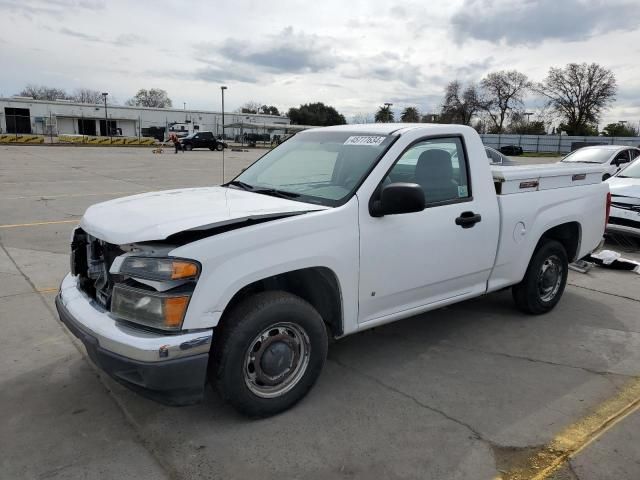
<point x="188" y="147"/>
<point x="605" y="176"/>
<point x="231" y="369"/>
<point x="219" y="147"/>
<point x="212" y="148"/>
<point x="529" y="295"/>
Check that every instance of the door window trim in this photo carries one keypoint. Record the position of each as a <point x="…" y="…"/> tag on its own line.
<point x="376" y="193"/>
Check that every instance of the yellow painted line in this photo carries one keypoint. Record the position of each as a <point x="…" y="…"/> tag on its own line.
<point x="36" y="224"/>
<point x="47" y="290"/>
<point x="577" y="436"/>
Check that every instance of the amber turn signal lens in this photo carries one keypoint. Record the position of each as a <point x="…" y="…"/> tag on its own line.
<point x="183" y="270"/>
<point x="174" y="309"/>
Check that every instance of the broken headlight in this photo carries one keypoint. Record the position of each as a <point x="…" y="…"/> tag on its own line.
<point x="160" y="269"/>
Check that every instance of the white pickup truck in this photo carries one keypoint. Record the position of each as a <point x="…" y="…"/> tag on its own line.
<point x="337" y="230"/>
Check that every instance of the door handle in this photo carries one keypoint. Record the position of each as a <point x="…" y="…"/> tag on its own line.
<point x="468" y="219"/>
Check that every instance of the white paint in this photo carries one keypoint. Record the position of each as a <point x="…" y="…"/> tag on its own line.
<point x="156" y="215"/>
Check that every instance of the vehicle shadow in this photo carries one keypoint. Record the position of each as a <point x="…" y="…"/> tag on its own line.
<point x="422" y="396"/>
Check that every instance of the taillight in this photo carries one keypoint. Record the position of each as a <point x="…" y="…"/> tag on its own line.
<point x="606" y="218"/>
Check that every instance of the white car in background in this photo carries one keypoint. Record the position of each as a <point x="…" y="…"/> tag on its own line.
<point x="625" y="200"/>
<point x="613" y="157"/>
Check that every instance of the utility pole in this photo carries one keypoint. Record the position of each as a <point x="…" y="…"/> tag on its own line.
<point x="106" y="117"/>
<point x="388" y="105"/>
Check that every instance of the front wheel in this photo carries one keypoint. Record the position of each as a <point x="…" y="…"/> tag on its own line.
<point x="270" y="353"/>
<point x="544" y="282"/>
<point x="219" y="147"/>
<point x="188" y="147"/>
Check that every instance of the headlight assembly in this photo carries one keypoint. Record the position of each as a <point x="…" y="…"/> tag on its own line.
<point x="160" y="269"/>
<point x="154" y="309"/>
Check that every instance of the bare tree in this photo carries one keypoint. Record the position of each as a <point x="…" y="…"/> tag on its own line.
<point x="86" y="95"/>
<point x="250" y="107"/>
<point x="579" y="93"/>
<point x="410" y="115"/>
<point x="503" y="92"/>
<point x="155" y="98"/>
<point x="41" y="92"/>
<point x="360" y="118"/>
<point x="460" y="106"/>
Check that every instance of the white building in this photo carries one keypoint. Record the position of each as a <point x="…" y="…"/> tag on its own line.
<point x="29" y="116"/>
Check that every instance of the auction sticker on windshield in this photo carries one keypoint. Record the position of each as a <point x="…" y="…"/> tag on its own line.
<point x="364" y="140"/>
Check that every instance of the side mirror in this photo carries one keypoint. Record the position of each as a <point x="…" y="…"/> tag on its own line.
<point x="397" y="198"/>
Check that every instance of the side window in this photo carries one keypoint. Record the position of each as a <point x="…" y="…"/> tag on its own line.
<point x="634" y="153"/>
<point x="622" y="157"/>
<point x="438" y="166"/>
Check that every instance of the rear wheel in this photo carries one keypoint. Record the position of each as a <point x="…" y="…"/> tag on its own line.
<point x="544" y="282"/>
<point x="270" y="353"/>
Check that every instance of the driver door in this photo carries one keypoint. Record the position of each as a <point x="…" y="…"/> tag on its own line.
<point x="413" y="260"/>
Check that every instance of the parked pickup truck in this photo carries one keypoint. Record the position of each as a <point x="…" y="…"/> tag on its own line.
<point x="335" y="231"/>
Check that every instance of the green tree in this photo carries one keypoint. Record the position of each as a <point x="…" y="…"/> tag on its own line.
<point x="579" y="93"/>
<point x="410" y="115"/>
<point x="269" y="110"/>
<point x="317" y="114"/>
<point x="154" y="98"/>
<point x="384" y="115"/>
<point x="619" y="130"/>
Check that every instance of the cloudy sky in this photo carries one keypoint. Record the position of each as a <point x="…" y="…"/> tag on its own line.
<point x="354" y="55"/>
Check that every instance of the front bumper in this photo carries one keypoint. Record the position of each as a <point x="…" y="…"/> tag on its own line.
<point x="170" y="369"/>
<point x="624" y="221"/>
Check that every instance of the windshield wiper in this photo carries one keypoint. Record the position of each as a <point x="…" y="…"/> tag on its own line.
<point x="242" y="185"/>
<point x="276" y="193"/>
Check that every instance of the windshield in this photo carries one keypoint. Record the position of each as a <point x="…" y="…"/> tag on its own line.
<point x="632" y="171"/>
<point x="317" y="167"/>
<point x="191" y="135"/>
<point x="589" y="155"/>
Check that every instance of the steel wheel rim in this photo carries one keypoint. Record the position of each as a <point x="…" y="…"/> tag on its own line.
<point x="550" y="278"/>
<point x="292" y="343"/>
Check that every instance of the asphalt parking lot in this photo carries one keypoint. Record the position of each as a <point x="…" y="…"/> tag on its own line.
<point x="472" y="391"/>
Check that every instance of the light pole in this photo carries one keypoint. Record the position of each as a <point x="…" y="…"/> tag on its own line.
<point x="106" y="118"/>
<point x="222" y="89"/>
<point x="184" y="104"/>
<point x="388" y="107"/>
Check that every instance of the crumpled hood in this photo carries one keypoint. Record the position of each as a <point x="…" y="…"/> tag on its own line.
<point x="157" y="215"/>
<point x="624" y="187"/>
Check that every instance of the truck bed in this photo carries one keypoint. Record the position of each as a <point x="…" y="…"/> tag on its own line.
<point x="530" y="178"/>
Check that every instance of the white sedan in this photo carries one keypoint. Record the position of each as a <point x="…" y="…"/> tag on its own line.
<point x="625" y="200"/>
<point x="613" y="157"/>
